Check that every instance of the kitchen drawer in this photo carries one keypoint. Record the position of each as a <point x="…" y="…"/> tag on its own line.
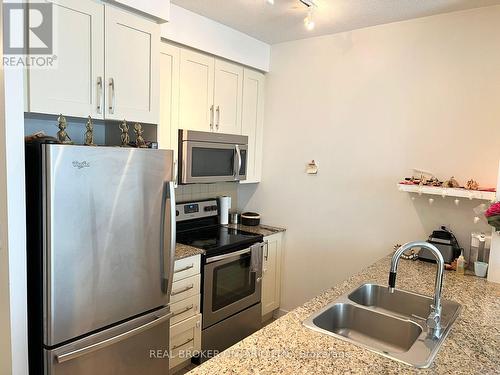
<point x="185" y="338"/>
<point x="185" y="309"/>
<point x="186" y="267"/>
<point x="185" y="288"/>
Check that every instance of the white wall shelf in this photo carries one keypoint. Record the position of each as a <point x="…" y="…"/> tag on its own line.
<point x="449" y="192"/>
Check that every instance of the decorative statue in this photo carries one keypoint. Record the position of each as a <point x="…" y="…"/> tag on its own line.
<point x="124" y="136"/>
<point x="89" y="134"/>
<point x="138" y="132"/>
<point x="62" y="136"/>
<point x="472" y="185"/>
<point x="451" y="183"/>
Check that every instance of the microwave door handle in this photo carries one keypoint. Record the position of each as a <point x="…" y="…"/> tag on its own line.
<point x="168" y="237"/>
<point x="238" y="158"/>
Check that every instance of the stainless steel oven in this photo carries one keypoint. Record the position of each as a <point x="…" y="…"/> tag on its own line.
<point x="232" y="283"/>
<point x="206" y="157"/>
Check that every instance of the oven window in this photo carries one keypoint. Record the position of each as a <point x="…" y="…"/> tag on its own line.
<point x="208" y="162"/>
<point x="232" y="282"/>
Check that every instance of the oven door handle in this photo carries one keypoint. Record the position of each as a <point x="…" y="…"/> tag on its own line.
<point x="227" y="256"/>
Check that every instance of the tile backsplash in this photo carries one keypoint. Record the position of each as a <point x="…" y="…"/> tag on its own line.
<point x="186" y="193"/>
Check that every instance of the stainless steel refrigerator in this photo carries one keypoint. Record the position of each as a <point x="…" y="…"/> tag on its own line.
<point x="101" y="242"/>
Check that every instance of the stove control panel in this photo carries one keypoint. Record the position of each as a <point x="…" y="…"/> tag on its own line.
<point x="196" y="210"/>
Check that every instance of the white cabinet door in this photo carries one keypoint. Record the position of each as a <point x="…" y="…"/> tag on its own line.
<point x="196" y="96"/>
<point x="253" y="122"/>
<point x="132" y="66"/>
<point x="271" y="273"/>
<point x="228" y="97"/>
<point x="169" y="99"/>
<point x="74" y="86"/>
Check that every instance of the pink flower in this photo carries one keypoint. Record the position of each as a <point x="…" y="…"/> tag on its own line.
<point x="493" y="210"/>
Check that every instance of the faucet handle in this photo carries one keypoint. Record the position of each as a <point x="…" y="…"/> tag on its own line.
<point x="434" y="320"/>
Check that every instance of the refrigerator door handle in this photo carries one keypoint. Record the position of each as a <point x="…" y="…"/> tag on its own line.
<point x="168" y="237"/>
<point x="61" y="358"/>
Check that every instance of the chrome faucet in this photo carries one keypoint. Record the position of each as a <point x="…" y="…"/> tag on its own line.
<point x="434" y="318"/>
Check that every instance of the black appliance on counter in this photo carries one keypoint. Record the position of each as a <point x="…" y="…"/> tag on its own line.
<point x="447" y="244"/>
<point x="231" y="275"/>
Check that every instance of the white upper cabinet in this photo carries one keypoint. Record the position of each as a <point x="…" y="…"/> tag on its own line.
<point x="169" y="100"/>
<point x="75" y="85"/>
<point x="228" y="97"/>
<point x="196" y="95"/>
<point x="253" y="122"/>
<point x="132" y="67"/>
<point x="169" y="96"/>
<point x="107" y="65"/>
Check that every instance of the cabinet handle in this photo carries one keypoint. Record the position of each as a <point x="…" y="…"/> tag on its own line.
<point x="212" y="117"/>
<point x="184" y="269"/>
<point x="218" y="118"/>
<point x="112" y="96"/>
<point x="182" y="311"/>
<point x="184" y="343"/>
<point x="183" y="290"/>
<point x="99" y="94"/>
<point x="266" y="255"/>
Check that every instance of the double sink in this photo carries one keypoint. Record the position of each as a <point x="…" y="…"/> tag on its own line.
<point x="389" y="322"/>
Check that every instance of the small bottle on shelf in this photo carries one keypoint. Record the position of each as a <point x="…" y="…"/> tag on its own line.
<point x="461" y="264"/>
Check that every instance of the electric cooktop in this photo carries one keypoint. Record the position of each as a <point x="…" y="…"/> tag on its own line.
<point x="217" y="239"/>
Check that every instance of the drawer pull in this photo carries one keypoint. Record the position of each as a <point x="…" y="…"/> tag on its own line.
<point x="182" y="311"/>
<point x="184" y="269"/>
<point x="183" y="290"/>
<point x="181" y="345"/>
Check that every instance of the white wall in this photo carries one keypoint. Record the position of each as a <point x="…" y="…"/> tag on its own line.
<point x="191" y="29"/>
<point x="13" y="309"/>
<point x="369" y="105"/>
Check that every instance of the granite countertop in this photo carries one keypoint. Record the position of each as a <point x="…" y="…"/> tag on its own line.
<point x="185" y="251"/>
<point x="287" y="347"/>
<point x="265" y="230"/>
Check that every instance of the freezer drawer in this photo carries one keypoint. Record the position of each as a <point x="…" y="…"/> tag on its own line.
<point x="136" y="347"/>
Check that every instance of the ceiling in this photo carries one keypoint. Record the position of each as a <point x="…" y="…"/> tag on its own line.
<point x="283" y="21"/>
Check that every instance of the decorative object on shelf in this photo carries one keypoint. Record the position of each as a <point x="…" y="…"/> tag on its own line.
<point x="472" y="185"/>
<point x="451" y="183"/>
<point x="493" y="215"/>
<point x="312" y="168"/>
<point x="139" y="141"/>
<point x="62" y="135"/>
<point x="89" y="134"/>
<point x="125" y="138"/>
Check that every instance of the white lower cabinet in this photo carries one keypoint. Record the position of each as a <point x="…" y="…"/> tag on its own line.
<point x="185" y="340"/>
<point x="271" y="273"/>
<point x="185" y="324"/>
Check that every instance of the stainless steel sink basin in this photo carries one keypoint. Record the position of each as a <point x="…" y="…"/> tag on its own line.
<point x="366" y="326"/>
<point x="402" y="303"/>
<point x="391" y="324"/>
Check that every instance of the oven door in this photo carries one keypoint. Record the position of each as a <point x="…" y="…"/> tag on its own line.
<point x="231" y="284"/>
<point x="205" y="162"/>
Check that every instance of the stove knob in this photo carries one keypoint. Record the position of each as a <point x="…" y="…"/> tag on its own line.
<point x="207" y="208"/>
<point x="176" y="212"/>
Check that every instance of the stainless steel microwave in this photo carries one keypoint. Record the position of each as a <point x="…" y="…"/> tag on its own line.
<point x="206" y="157"/>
